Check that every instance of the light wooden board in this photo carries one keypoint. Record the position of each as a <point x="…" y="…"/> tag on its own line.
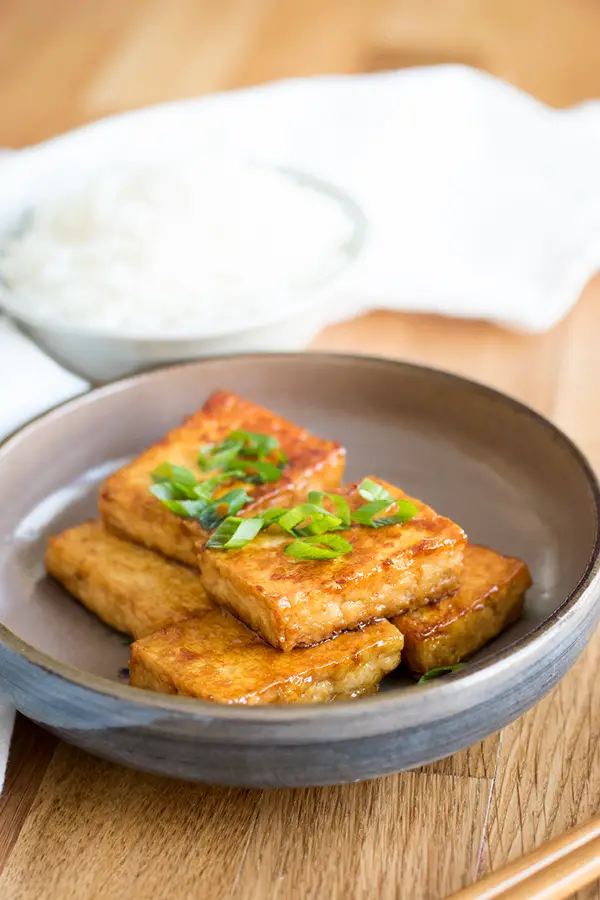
<point x="75" y="827"/>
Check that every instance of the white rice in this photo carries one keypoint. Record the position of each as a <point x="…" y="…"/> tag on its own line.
<point x="188" y="249"/>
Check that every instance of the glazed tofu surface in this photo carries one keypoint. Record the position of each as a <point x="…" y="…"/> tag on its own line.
<point x="293" y="603"/>
<point x="128" y="508"/>
<point x="215" y="657"/>
<point x="130" y="588"/>
<point x="490" y="598"/>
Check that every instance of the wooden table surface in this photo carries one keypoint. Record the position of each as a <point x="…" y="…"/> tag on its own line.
<point x="75" y="827"/>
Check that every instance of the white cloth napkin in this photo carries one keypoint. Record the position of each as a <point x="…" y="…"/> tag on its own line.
<point x="481" y="201"/>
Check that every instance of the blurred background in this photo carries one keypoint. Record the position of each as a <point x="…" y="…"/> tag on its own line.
<point x="65" y="62"/>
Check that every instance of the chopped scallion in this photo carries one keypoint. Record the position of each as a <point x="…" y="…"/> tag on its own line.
<point x="442" y="670"/>
<point x="234" y="533"/>
<point x="370" y="490"/>
<point x="169" y="472"/>
<point x="325" y="546"/>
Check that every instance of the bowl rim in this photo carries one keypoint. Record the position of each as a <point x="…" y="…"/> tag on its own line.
<point x="477" y="675"/>
<point x="350" y="252"/>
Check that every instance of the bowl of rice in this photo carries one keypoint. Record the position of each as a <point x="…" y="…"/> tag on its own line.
<point x="121" y="265"/>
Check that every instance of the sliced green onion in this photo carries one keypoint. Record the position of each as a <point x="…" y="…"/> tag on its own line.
<point x="364" y="514"/>
<point x="234" y="500"/>
<point x="319" y="525"/>
<point x="326" y="546"/>
<point x="173" y="490"/>
<point x="254" y="443"/>
<point x="273" y="514"/>
<point x="249" y="445"/>
<point x="219" y="456"/>
<point x="318" y="520"/>
<point x="205" y="489"/>
<point x="265" y="471"/>
<point x="442" y="670"/>
<point x="370" y="490"/>
<point x="291" y="518"/>
<point x="406" y="512"/>
<point x="341" y="504"/>
<point x="187" y="508"/>
<point x="234" y="533"/>
<point x="209" y="517"/>
<point x="169" y="472"/>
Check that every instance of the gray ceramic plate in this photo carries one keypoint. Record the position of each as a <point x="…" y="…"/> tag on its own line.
<point x="508" y="476"/>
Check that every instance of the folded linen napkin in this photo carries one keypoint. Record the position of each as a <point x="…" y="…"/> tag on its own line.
<point x="482" y="202"/>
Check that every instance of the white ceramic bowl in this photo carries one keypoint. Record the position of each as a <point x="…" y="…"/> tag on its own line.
<point x="101" y="355"/>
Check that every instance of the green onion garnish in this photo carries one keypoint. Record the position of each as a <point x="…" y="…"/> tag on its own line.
<point x="264" y="471"/>
<point x="370" y="490"/>
<point x="325" y="546"/>
<point x="406" y="512"/>
<point x="273" y="514"/>
<point x="442" y="670"/>
<point x="234" y="533"/>
<point x="317" y="520"/>
<point x="244" y="454"/>
<point x="205" y="489"/>
<point x="364" y="514"/>
<point x="311" y="524"/>
<point x="342" y="510"/>
<point x="183" y="494"/>
<point x="253" y="443"/>
<point x="169" y="472"/>
<point x="219" y="456"/>
<point x="234" y="500"/>
<point x="380" y="499"/>
<point x="187" y="508"/>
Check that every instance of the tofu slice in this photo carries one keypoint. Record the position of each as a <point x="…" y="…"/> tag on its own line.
<point x="293" y="603"/>
<point x="130" y="588"/>
<point x="215" y="657"/>
<point x="490" y="598"/>
<point x="128" y="508"/>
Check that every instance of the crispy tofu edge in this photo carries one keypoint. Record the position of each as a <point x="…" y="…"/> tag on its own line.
<point x="109" y="594"/>
<point x="150" y="670"/>
<point x="469" y="628"/>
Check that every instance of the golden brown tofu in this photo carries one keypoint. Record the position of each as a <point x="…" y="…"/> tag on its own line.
<point x="128" y="508"/>
<point x="490" y="598"/>
<point x="215" y="657"/>
<point x="293" y="603"/>
<point x="128" y="587"/>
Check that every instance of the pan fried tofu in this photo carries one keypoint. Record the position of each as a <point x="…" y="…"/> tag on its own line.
<point x="294" y="603"/>
<point x="128" y="508"/>
<point x="215" y="657"/>
<point x="130" y="588"/>
<point x="490" y="598"/>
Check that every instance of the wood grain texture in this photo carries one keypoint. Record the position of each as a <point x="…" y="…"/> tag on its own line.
<point x="30" y="754"/>
<point x="75" y="827"/>
<point x="172" y="839"/>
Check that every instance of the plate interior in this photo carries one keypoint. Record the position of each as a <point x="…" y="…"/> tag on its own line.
<point x="502" y="473"/>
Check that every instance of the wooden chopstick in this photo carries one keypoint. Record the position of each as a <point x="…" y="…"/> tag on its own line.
<point x="554" y="871"/>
